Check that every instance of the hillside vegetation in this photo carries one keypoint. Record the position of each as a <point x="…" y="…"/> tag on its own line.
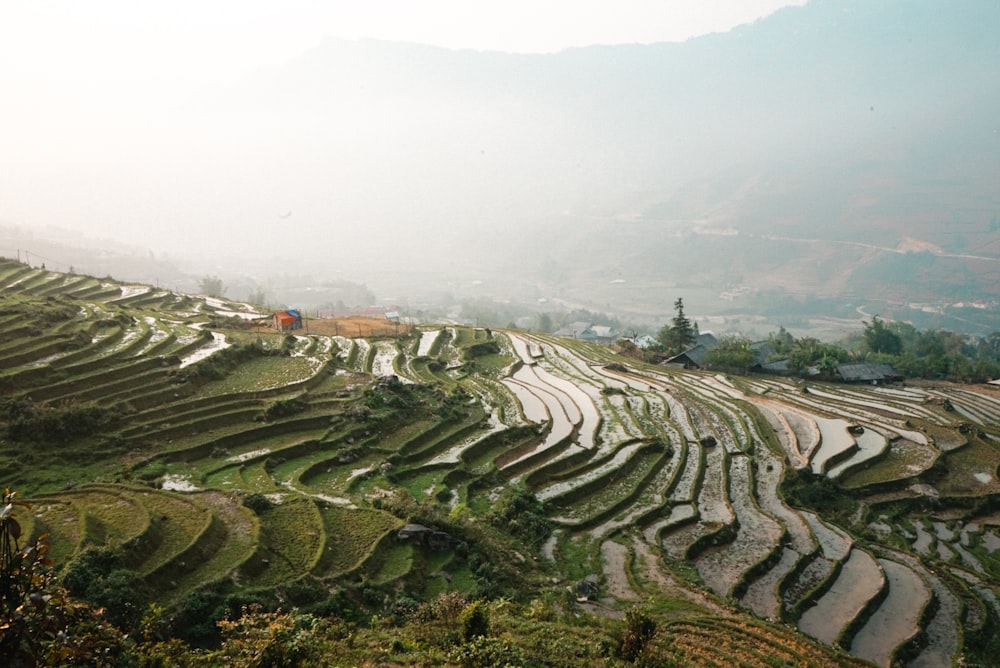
<point x="467" y="496"/>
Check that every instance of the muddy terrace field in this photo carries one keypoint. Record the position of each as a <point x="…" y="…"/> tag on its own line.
<point x="356" y="326"/>
<point x="757" y="517"/>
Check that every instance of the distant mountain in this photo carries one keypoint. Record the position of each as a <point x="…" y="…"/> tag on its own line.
<point x="847" y="122"/>
<point x="845" y="148"/>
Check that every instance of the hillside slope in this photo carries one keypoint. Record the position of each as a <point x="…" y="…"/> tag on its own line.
<point x="225" y="463"/>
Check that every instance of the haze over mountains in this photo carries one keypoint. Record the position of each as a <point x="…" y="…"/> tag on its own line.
<point x="844" y="149"/>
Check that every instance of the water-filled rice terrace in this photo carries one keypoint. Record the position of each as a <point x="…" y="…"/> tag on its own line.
<point x="808" y="522"/>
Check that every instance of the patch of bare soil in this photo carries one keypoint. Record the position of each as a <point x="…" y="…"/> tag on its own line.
<point x="357" y="326"/>
<point x="910" y="245"/>
<point x="653" y="573"/>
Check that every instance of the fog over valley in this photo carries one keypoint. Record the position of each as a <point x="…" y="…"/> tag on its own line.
<point x="824" y="157"/>
<point x="558" y="334"/>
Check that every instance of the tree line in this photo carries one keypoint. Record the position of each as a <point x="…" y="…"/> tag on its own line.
<point x="932" y="354"/>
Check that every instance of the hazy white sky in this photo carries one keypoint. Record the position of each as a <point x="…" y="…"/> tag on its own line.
<point x="45" y="42"/>
<point x="94" y="93"/>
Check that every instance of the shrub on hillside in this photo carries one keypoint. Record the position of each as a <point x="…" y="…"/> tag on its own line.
<point x="259" y="638"/>
<point x="639" y="630"/>
<point x="521" y="514"/>
<point x="54" y="422"/>
<point x="99" y="578"/>
<point x="284" y="408"/>
<point x="805" y="489"/>
<point x="257" y="502"/>
<point x="474" y="620"/>
<point x="483" y="652"/>
<point x="40" y="624"/>
<point x="490" y="347"/>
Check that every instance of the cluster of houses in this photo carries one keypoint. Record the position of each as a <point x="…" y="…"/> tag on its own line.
<point x="695" y="356"/>
<point x="584" y="331"/>
<point x="852" y="372"/>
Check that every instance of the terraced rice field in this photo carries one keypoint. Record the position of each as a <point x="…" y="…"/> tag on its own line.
<point x="337" y="434"/>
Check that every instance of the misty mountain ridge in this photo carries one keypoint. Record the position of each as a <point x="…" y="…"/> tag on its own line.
<point x="840" y="149"/>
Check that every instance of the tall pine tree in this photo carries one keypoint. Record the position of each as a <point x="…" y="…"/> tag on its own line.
<point x="680" y="333"/>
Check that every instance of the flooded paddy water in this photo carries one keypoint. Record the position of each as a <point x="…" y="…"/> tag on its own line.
<point x="859" y="580"/>
<point x="896" y="618"/>
<point x="757" y="537"/>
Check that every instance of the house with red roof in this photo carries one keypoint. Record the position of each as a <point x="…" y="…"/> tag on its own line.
<point x="286" y="321"/>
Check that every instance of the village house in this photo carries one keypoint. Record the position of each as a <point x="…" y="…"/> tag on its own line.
<point x="286" y="321"/>
<point x="863" y="372"/>
<point x="585" y="331"/>
<point x="694" y="357"/>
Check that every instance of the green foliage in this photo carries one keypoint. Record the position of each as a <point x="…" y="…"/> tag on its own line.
<point x="274" y="639"/>
<point x="880" y="339"/>
<point x="195" y="618"/>
<point x="809" y="352"/>
<point x="56" y="422"/>
<point x="284" y="408"/>
<point x="392" y="393"/>
<point x="474" y="621"/>
<point x="518" y="512"/>
<point x="211" y="286"/>
<point x="781" y="341"/>
<point x="484" y="652"/>
<point x="680" y="333"/>
<point x="639" y="630"/>
<point x="257" y="502"/>
<point x="805" y="489"/>
<point x="733" y="352"/>
<point x="98" y="578"/>
<point x="40" y="624"/>
<point x="482" y="349"/>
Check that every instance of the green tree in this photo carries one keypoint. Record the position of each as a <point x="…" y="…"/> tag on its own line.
<point x="40" y="623"/>
<point x="211" y="286"/>
<point x="680" y="333"/>
<point x="639" y="630"/>
<point x="781" y="341"/>
<point x="733" y="352"/>
<point x="878" y="338"/>
<point x="811" y="352"/>
<point x="257" y="297"/>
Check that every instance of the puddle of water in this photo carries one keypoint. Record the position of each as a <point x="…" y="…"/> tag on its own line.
<point x="942" y="531"/>
<point x="427" y="340"/>
<point x="248" y="455"/>
<point x="923" y="542"/>
<point x="677" y="514"/>
<point x="859" y="580"/>
<point x="834" y="544"/>
<point x="834" y="441"/>
<point x="762" y="595"/>
<point x="896" y="618"/>
<point x="532" y="405"/>
<point x="178" y="483"/>
<point x="991" y="541"/>
<point x="217" y="343"/>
